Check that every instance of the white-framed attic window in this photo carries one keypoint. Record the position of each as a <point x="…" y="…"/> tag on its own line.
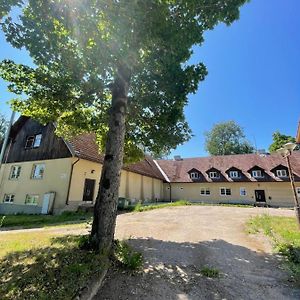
<point x="281" y="173"/>
<point x="257" y="174"/>
<point x="234" y="174"/>
<point x="194" y="175"/>
<point x="214" y="175"/>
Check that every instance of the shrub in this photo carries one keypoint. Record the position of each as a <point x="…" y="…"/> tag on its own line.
<point x="210" y="272"/>
<point x="127" y="257"/>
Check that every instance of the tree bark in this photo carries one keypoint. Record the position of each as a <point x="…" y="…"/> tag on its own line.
<point x="105" y="210"/>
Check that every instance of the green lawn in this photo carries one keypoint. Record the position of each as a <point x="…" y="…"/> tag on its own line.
<point x="145" y="207"/>
<point x="44" y="265"/>
<point x="285" y="235"/>
<point x="30" y="221"/>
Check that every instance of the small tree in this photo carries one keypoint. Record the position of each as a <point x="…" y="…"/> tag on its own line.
<point x="118" y="68"/>
<point x="279" y="140"/>
<point x="227" y="138"/>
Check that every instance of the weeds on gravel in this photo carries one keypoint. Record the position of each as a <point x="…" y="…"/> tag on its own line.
<point x="210" y="272"/>
<point x="127" y="257"/>
<point x="285" y="236"/>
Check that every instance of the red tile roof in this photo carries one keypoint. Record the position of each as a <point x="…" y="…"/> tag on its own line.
<point x="177" y="171"/>
<point x="84" y="146"/>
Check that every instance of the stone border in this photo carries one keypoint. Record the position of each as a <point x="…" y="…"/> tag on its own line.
<point x="88" y="292"/>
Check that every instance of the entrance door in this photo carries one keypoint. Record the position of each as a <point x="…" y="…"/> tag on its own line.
<point x="88" y="192"/>
<point x="260" y="196"/>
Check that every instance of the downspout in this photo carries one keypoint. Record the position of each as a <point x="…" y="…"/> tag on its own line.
<point x="70" y="180"/>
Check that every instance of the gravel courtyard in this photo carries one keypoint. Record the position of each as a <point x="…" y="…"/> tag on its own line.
<point x="178" y="242"/>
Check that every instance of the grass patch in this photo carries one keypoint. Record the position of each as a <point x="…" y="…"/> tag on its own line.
<point x="127" y="257"/>
<point x="41" y="265"/>
<point x="210" y="272"/>
<point x="285" y="236"/>
<point x="31" y="221"/>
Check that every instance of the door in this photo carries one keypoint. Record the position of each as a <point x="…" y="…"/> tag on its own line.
<point x="88" y="192"/>
<point x="260" y="196"/>
<point x="46" y="202"/>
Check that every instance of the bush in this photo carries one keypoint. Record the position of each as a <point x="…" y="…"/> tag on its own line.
<point x="127" y="257"/>
<point x="210" y="272"/>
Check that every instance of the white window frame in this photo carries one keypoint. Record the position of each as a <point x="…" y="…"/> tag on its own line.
<point x="204" y="191"/>
<point x="243" y="192"/>
<point x="9" y="198"/>
<point x="298" y="191"/>
<point x="256" y="172"/>
<point x="15" y="172"/>
<point x="234" y="174"/>
<point x="194" y="175"/>
<point x="36" y="141"/>
<point x="282" y="173"/>
<point x="41" y="174"/>
<point x="225" y="191"/>
<point x="214" y="175"/>
<point x="34" y="196"/>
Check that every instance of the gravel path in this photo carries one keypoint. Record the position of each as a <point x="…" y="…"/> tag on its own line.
<point x="178" y="242"/>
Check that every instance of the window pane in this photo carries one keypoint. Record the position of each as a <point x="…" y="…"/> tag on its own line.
<point x="37" y="140"/>
<point x="31" y="199"/>
<point x="29" y="142"/>
<point x="38" y="171"/>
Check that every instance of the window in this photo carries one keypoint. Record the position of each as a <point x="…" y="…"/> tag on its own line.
<point x="38" y="171"/>
<point x="298" y="191"/>
<point x="15" y="172"/>
<point x="281" y="173"/>
<point x="234" y="174"/>
<point x="225" y="192"/>
<point x="33" y="141"/>
<point x="256" y="173"/>
<point x="205" y="191"/>
<point x="37" y="141"/>
<point x="31" y="199"/>
<point x="243" y="191"/>
<point x="9" y="198"/>
<point x="213" y="175"/>
<point x="194" y="175"/>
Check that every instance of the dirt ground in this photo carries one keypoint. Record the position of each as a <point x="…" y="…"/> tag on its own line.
<point x="178" y="242"/>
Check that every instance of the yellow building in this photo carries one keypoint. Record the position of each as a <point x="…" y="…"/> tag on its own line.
<point x="43" y="173"/>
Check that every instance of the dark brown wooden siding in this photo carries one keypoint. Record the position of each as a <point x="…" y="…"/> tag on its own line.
<point x="51" y="146"/>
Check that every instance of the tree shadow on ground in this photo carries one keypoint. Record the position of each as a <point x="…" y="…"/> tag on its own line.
<point x="173" y="270"/>
<point x="57" y="271"/>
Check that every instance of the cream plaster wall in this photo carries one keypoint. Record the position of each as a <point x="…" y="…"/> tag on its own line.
<point x="55" y="179"/>
<point x="277" y="193"/>
<point x="132" y="185"/>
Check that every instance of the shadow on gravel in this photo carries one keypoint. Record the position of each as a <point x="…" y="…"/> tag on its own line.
<point x="174" y="271"/>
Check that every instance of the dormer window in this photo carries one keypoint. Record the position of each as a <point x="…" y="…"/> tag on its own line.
<point x="194" y="175"/>
<point x="214" y="175"/>
<point x="257" y="173"/>
<point x="33" y="141"/>
<point x="281" y="173"/>
<point x="234" y="174"/>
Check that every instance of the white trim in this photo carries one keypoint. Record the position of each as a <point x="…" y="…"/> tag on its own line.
<point x="161" y="171"/>
<point x="214" y="172"/>
<point x="236" y="174"/>
<point x="279" y="173"/>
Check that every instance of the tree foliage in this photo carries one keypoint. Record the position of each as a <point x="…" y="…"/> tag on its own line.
<point x="279" y="140"/>
<point x="3" y="126"/>
<point x="227" y="138"/>
<point x="77" y="46"/>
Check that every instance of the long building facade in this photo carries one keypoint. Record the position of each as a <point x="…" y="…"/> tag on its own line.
<point x="43" y="173"/>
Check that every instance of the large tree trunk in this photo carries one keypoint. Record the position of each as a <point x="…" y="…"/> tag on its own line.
<point x="105" y="211"/>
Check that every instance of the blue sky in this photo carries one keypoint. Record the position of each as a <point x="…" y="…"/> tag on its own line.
<point x="254" y="75"/>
